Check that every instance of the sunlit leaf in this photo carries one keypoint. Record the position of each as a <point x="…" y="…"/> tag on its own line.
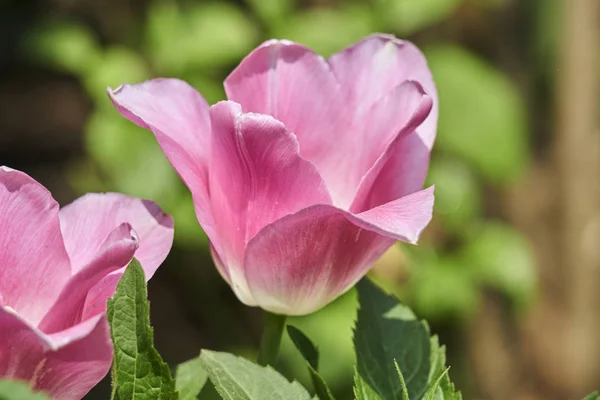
<point x="190" y="378"/>
<point x="236" y="378"/>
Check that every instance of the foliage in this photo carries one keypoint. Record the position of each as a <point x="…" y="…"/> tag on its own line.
<point x="190" y="379"/>
<point x="138" y="370"/>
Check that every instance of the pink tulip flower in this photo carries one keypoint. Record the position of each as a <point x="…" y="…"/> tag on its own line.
<point x="311" y="169"/>
<point x="57" y="269"/>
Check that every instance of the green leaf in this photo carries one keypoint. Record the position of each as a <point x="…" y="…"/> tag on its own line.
<point x="362" y="390"/>
<point x="402" y="382"/>
<point x="13" y="390"/>
<point x="311" y="355"/>
<point x="331" y="330"/>
<point x="592" y="396"/>
<point x="190" y="378"/>
<point x="386" y="333"/>
<point x="440" y="387"/>
<point x="483" y="118"/>
<point x="138" y="369"/>
<point x="305" y="346"/>
<point x="236" y="378"/>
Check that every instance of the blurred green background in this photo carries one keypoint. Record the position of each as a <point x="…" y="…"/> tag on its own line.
<point x="489" y="273"/>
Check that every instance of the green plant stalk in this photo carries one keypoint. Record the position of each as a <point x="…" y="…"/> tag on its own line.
<point x="270" y="342"/>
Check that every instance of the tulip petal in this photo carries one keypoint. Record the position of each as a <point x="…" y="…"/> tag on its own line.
<point x="295" y="86"/>
<point x="34" y="263"/>
<point x="345" y="111"/>
<point x="82" y="360"/>
<point x="87" y="222"/>
<point x="403" y="219"/>
<point x="22" y="346"/>
<point x="256" y="177"/>
<point x="371" y="68"/>
<point x="397" y="114"/>
<point x="65" y="365"/>
<point x="178" y="116"/>
<point x="95" y="301"/>
<point x="115" y="253"/>
<point x="303" y="261"/>
<point x="400" y="171"/>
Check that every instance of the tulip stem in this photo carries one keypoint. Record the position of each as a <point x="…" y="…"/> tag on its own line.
<point x="271" y="338"/>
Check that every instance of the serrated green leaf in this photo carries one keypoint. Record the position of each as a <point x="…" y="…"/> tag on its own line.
<point x="440" y="387"/>
<point x="402" y="382"/>
<point x="236" y="378"/>
<point x="387" y="332"/>
<point x="138" y="370"/>
<point x="362" y="390"/>
<point x="13" y="390"/>
<point x="592" y="396"/>
<point x="495" y="139"/>
<point x="311" y="355"/>
<point x="190" y="378"/>
<point x="437" y="359"/>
